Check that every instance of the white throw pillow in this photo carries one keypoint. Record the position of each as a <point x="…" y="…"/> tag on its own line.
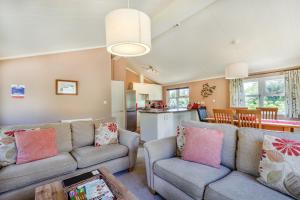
<point x="106" y="133"/>
<point x="280" y="165"/>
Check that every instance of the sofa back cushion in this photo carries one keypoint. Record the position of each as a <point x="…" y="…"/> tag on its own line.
<point x="229" y="142"/>
<point x="249" y="147"/>
<point x="83" y="133"/>
<point x="63" y="133"/>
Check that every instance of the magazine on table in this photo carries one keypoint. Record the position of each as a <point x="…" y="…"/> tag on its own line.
<point x="94" y="189"/>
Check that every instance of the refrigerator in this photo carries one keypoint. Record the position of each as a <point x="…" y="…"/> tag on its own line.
<point x="131" y="110"/>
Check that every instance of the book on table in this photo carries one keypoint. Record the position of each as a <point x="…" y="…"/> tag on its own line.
<point x="87" y="186"/>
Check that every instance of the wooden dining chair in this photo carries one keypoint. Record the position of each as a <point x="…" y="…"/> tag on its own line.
<point x="224" y="116"/>
<point x="268" y="113"/>
<point x="249" y="118"/>
<point x="238" y="108"/>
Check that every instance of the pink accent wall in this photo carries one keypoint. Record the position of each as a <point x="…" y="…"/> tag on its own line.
<point x="119" y="69"/>
<point x="220" y="95"/>
<point x="92" y="68"/>
<point x="120" y="73"/>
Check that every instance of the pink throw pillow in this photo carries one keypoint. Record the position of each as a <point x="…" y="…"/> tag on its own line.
<point x="203" y="146"/>
<point x="36" y="145"/>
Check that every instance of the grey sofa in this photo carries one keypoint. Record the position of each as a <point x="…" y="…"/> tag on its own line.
<point x="174" y="178"/>
<point x="77" y="155"/>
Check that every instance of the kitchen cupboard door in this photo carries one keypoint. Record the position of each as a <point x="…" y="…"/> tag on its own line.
<point x="165" y="125"/>
<point x="155" y="92"/>
<point x="149" y="127"/>
<point x="140" y="88"/>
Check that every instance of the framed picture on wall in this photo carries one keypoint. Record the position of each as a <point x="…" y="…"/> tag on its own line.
<point x="17" y="91"/>
<point x="66" y="87"/>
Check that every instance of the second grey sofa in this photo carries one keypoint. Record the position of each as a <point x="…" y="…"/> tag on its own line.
<point x="174" y="178"/>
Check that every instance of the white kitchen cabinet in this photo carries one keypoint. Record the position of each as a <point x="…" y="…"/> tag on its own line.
<point x="162" y="124"/>
<point x="140" y="88"/>
<point x="165" y="123"/>
<point x="153" y="90"/>
<point x="156" y="126"/>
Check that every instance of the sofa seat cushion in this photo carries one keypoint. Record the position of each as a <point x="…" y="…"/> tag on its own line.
<point x="90" y="155"/>
<point x="187" y="176"/>
<point x="238" y="185"/>
<point x="16" y="176"/>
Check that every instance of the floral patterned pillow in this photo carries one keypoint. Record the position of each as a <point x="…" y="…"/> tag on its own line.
<point x="8" y="149"/>
<point x="180" y="137"/>
<point x="280" y="165"/>
<point x="106" y="133"/>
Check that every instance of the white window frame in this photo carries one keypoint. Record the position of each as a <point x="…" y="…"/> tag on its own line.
<point x="261" y="89"/>
<point x="177" y="96"/>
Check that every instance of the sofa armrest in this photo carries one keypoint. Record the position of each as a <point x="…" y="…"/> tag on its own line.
<point x="131" y="140"/>
<point x="157" y="150"/>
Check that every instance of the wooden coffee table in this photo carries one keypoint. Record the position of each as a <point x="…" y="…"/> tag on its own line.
<point x="55" y="191"/>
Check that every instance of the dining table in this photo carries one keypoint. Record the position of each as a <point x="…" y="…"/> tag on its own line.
<point x="271" y="124"/>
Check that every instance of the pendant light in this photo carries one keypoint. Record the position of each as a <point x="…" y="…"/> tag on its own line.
<point x="128" y="32"/>
<point x="236" y="71"/>
<point x="239" y="69"/>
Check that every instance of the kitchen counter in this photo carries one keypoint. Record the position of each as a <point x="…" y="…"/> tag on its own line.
<point x="161" y="123"/>
<point x="164" y="110"/>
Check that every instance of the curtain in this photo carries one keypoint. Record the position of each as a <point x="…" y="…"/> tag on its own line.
<point x="236" y="89"/>
<point x="292" y="93"/>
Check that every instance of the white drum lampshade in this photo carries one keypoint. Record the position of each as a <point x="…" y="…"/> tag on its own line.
<point x="128" y="32"/>
<point x="237" y="70"/>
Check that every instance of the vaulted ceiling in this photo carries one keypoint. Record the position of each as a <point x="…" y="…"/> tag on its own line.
<point x="39" y="26"/>
<point x="209" y="35"/>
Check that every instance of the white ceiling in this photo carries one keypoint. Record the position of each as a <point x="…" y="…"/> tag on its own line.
<point x="267" y="33"/>
<point x="39" y="26"/>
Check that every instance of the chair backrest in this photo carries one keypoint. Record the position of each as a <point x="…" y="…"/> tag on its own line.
<point x="224" y="116"/>
<point x="238" y="108"/>
<point x="202" y="114"/>
<point x="249" y="118"/>
<point x="268" y="113"/>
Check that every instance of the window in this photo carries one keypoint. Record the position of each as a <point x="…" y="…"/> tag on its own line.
<point x="265" y="92"/>
<point x="178" y="98"/>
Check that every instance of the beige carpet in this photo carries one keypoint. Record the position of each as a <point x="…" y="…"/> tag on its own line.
<point x="136" y="181"/>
